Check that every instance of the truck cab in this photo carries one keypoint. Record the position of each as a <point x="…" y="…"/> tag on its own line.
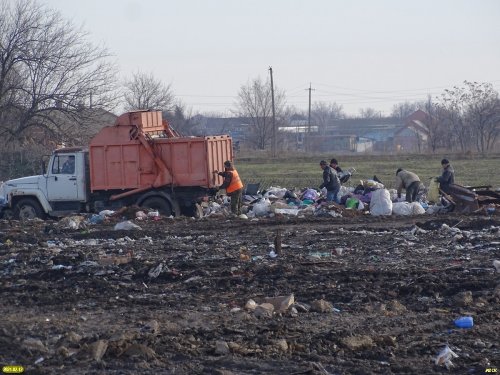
<point x="60" y="190"/>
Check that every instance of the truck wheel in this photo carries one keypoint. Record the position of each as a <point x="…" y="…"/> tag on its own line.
<point x="7" y="215"/>
<point x="28" y="209"/>
<point x="160" y="204"/>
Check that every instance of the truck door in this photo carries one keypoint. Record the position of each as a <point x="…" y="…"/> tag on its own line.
<point x="63" y="181"/>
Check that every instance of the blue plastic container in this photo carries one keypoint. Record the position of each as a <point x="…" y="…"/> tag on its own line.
<point x="464" y="322"/>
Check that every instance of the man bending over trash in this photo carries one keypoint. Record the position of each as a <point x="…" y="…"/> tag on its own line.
<point x="410" y="182"/>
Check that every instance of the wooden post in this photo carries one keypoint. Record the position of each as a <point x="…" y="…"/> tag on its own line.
<point x="277" y="243"/>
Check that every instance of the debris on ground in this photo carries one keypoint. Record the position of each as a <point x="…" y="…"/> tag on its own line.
<point x="378" y="294"/>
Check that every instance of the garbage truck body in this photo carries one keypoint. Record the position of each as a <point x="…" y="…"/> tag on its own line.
<point x="140" y="160"/>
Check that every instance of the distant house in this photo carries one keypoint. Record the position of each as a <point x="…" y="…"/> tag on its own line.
<point x="414" y="135"/>
<point x="346" y="135"/>
<point x="294" y="134"/>
<point x="236" y="127"/>
<point x="379" y="135"/>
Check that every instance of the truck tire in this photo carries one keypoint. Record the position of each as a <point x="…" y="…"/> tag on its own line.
<point x="28" y="208"/>
<point x="7" y="215"/>
<point x="158" y="203"/>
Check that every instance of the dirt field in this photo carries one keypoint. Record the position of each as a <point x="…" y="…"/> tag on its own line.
<point x="170" y="299"/>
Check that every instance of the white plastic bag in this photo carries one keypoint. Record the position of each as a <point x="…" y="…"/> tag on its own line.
<point x="287" y="211"/>
<point x="262" y="207"/>
<point x="127" y="225"/>
<point x="380" y="203"/>
<point x="402" y="208"/>
<point x="445" y="356"/>
<point x="277" y="192"/>
<point x="417" y="209"/>
<point x="104" y="213"/>
<point x="406" y="209"/>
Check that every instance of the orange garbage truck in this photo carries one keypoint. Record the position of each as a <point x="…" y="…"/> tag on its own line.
<point x="140" y="160"/>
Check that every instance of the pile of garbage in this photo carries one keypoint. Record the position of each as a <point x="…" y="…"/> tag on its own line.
<point x="369" y="197"/>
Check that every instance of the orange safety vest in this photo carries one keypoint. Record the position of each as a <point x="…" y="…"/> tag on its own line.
<point x="235" y="182"/>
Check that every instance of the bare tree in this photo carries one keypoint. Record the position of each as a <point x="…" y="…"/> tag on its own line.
<point x="483" y="113"/>
<point x="49" y="73"/>
<point x="183" y="121"/>
<point x="144" y="91"/>
<point x="324" y="114"/>
<point x="369" y="113"/>
<point x="473" y="113"/>
<point x="254" y="102"/>
<point x="403" y="110"/>
<point x="436" y="124"/>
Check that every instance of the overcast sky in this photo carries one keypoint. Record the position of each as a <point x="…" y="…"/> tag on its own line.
<point x="357" y="53"/>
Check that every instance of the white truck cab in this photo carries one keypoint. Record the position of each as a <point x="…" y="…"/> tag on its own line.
<point x="61" y="189"/>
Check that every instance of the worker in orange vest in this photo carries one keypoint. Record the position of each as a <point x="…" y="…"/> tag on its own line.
<point x="233" y="185"/>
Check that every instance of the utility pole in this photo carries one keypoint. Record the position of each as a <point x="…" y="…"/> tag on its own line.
<point x="309" y="115"/>
<point x="274" y="114"/>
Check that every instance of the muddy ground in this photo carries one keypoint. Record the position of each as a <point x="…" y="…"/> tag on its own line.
<point x="170" y="299"/>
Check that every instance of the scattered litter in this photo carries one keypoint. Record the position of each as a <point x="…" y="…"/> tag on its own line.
<point x="72" y="222"/>
<point x="39" y="360"/>
<point x="281" y="303"/>
<point x="105" y="213"/>
<point x="127" y="225"/>
<point x="317" y="255"/>
<point x="464" y="322"/>
<point x="496" y="264"/>
<point x="61" y="267"/>
<point x="445" y="356"/>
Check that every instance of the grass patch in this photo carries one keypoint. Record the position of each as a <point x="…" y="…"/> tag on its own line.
<point x="297" y="171"/>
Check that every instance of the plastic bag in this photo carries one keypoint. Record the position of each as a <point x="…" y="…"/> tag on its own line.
<point x="406" y="209"/>
<point x="96" y="219"/>
<point x="401" y="208"/>
<point x="127" y="225"/>
<point x="372" y="184"/>
<point x="352" y="203"/>
<point x="433" y="191"/>
<point x="262" y="207"/>
<point x="287" y="211"/>
<point x="275" y="192"/>
<point x="72" y="222"/>
<point x="445" y="356"/>
<point x="417" y="209"/>
<point x="380" y="203"/>
<point x="310" y="194"/>
<point x="104" y="213"/>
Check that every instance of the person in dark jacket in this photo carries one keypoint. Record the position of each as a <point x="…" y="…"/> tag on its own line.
<point x="410" y="182"/>
<point x="330" y="182"/>
<point x="233" y="186"/>
<point x="335" y="165"/>
<point x="447" y="177"/>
